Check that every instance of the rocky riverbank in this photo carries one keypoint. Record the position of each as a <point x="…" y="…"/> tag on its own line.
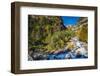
<point x="74" y="50"/>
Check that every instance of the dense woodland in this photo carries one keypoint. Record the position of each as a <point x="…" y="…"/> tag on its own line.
<point x="47" y="34"/>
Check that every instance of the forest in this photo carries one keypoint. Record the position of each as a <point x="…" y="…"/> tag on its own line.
<point x="50" y="39"/>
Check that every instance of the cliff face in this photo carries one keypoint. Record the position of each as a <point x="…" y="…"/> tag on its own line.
<point x="41" y="29"/>
<point x="82" y="29"/>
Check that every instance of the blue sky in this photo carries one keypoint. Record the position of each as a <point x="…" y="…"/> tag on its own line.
<point x="70" y="20"/>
